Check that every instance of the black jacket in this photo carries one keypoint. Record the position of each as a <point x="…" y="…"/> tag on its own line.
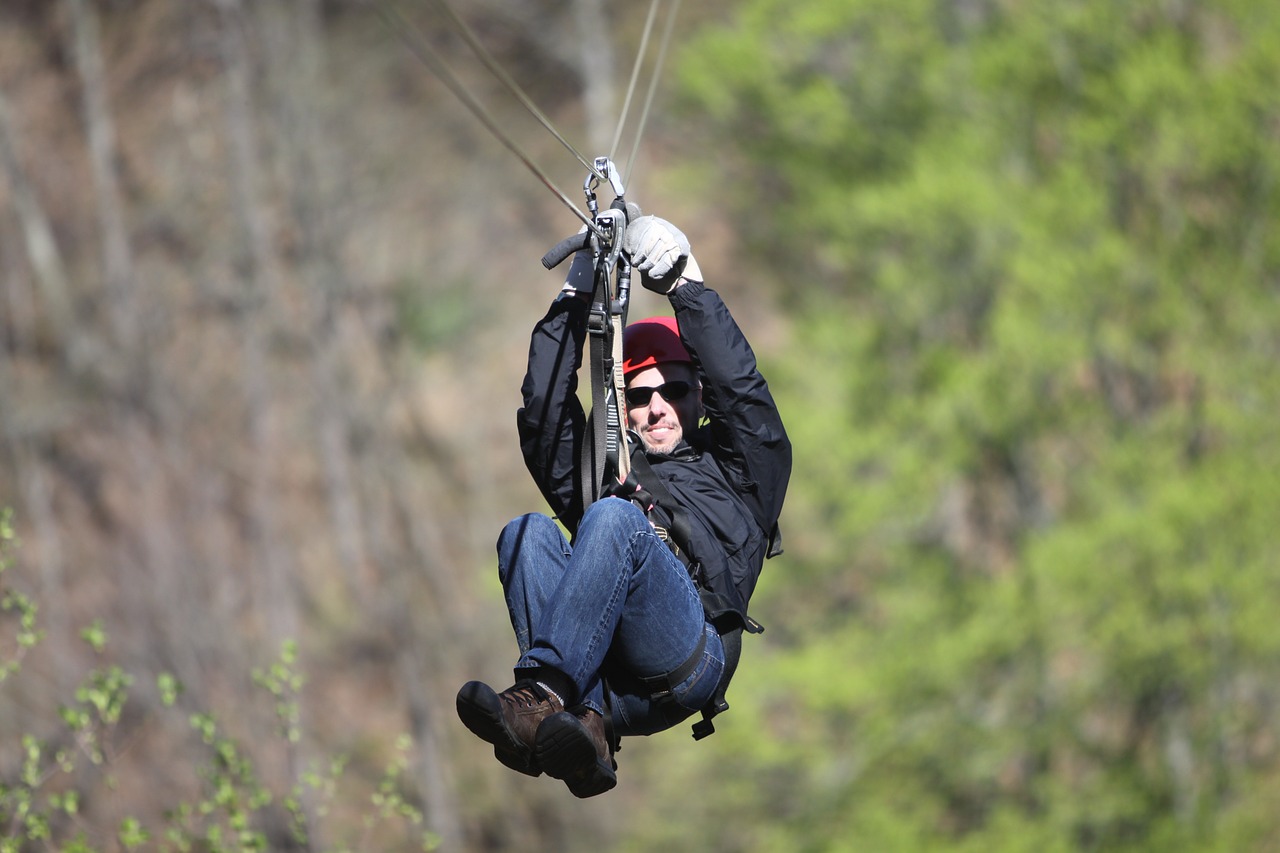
<point x="732" y="477"/>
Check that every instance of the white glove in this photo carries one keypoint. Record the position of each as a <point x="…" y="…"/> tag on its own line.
<point x="660" y="252"/>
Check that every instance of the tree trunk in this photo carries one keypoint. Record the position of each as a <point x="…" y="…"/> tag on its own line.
<point x="276" y="596"/>
<point x="42" y="250"/>
<point x="117" y="260"/>
<point x="296" y="37"/>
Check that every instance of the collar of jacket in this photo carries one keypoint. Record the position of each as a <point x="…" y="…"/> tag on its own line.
<point x="684" y="451"/>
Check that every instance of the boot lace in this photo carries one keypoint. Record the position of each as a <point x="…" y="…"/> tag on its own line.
<point x="525" y="694"/>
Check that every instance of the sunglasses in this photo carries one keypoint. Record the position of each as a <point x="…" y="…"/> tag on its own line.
<point x="677" y="389"/>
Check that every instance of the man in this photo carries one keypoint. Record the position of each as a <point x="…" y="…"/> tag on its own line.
<point x="635" y="626"/>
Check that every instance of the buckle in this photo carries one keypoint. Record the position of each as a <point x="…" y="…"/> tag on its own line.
<point x="598" y="321"/>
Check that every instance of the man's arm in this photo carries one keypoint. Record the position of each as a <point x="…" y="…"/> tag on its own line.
<point x="746" y="429"/>
<point x="551" y="423"/>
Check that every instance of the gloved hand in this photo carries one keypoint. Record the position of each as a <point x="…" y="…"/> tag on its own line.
<point x="660" y="252"/>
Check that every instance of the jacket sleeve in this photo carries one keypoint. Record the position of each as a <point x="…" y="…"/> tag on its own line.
<point x="746" y="429"/>
<point x="551" y="423"/>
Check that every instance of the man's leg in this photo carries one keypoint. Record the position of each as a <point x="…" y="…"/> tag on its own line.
<point x="532" y="555"/>
<point x="622" y="594"/>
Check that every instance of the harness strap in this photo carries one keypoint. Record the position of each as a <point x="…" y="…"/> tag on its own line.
<point x="662" y="685"/>
<point x="620" y="401"/>
<point x="605" y="448"/>
<point x="659" y="687"/>
<point x="681" y="531"/>
<point x="594" y="451"/>
<point x="732" y="641"/>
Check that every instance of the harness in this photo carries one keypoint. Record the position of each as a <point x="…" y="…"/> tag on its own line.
<point x="646" y="487"/>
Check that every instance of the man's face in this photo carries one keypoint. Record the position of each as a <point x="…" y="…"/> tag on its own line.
<point x="661" y="422"/>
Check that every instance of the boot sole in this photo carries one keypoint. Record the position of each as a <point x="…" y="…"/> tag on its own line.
<point x="480" y="710"/>
<point x="564" y="750"/>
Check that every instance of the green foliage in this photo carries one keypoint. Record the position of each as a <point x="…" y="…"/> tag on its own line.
<point x="284" y="682"/>
<point x="1031" y="254"/>
<point x="14" y="603"/>
<point x="42" y="805"/>
<point x="389" y="802"/>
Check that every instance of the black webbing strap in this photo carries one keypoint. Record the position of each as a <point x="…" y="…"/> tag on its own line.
<point x="680" y="530"/>
<point x="659" y="687"/>
<point x="604" y="449"/>
<point x="594" y="452"/>
<point x="732" y="641"/>
<point x="680" y="535"/>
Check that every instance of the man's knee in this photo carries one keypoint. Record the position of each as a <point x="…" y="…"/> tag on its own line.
<point x="530" y="531"/>
<point x="528" y="526"/>
<point x="614" y="511"/>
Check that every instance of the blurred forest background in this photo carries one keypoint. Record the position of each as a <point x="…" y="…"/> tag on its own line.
<point x="1011" y="267"/>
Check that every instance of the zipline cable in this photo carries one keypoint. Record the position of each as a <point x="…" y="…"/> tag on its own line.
<point x="422" y="50"/>
<point x="607" y="397"/>
<point x="514" y="88"/>
<point x="635" y="75"/>
<point x="653" y="87"/>
<point x="417" y="45"/>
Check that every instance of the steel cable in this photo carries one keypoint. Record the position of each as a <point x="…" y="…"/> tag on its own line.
<point x="422" y="50"/>
<point x="635" y="75"/>
<point x="653" y="87"/>
<point x="417" y="45"/>
<point x="512" y="86"/>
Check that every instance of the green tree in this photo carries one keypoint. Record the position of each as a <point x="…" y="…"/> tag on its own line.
<point x="1030" y="253"/>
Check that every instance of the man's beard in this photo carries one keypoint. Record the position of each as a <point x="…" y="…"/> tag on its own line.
<point x="665" y="447"/>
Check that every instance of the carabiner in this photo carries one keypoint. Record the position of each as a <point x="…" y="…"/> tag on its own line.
<point x="605" y="167"/>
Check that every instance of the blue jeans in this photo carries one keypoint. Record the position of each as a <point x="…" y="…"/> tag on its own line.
<point x="617" y="601"/>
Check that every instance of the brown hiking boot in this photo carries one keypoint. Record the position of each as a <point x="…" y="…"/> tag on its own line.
<point x="509" y="720"/>
<point x="576" y="749"/>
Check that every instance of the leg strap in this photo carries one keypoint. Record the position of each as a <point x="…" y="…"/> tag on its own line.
<point x="732" y="641"/>
<point x="659" y="687"/>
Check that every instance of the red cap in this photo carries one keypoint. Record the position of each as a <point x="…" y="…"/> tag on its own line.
<point x="651" y="341"/>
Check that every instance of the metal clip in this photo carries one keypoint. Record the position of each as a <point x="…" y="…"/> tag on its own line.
<point x="613" y="223"/>
<point x="605" y="167"/>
